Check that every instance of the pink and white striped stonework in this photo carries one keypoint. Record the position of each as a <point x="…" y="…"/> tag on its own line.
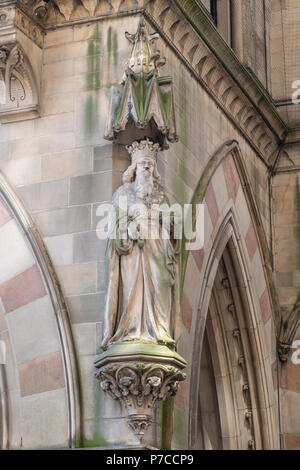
<point x="35" y="370"/>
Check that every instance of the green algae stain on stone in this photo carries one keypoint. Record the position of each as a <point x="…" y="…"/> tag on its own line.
<point x="96" y="432"/>
<point x="112" y="46"/>
<point x="179" y="424"/>
<point x="93" y="80"/>
<point x="112" y="57"/>
<point x="109" y="41"/>
<point x="178" y="185"/>
<point x="97" y="441"/>
<point x="94" y="61"/>
<point x="115" y="48"/>
<point x="90" y="114"/>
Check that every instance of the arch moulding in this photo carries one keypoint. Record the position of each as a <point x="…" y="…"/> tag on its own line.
<point x="232" y="223"/>
<point x="31" y="298"/>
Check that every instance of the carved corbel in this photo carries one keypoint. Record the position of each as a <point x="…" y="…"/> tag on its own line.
<point x="139" y="385"/>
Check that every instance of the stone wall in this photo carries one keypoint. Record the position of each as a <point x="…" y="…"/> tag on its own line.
<point x="286" y="209"/>
<point x="284" y="57"/>
<point x="62" y="169"/>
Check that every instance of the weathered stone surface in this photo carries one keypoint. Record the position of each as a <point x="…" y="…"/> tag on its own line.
<point x="23" y="171"/>
<point x="86" y="308"/>
<point x="86" y="336"/>
<point x="22" y="289"/>
<point x="64" y="221"/>
<point x="43" y="145"/>
<point x="50" y="408"/>
<point x="91" y="188"/>
<point x="88" y="247"/>
<point x="48" y="195"/>
<point x="78" y="278"/>
<point x="14" y="253"/>
<point x="56" y="104"/>
<point x="60" y="249"/>
<point x="33" y="330"/>
<point x="71" y="163"/>
<point x="41" y="375"/>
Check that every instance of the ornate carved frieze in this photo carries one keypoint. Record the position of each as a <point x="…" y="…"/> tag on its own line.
<point x="29" y="28"/>
<point x="7" y="14"/>
<point x="17" y="84"/>
<point x="7" y="18"/>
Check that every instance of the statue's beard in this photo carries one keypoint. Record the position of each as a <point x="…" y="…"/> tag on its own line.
<point x="144" y="186"/>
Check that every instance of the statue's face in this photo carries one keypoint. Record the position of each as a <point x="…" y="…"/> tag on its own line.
<point x="145" y="168"/>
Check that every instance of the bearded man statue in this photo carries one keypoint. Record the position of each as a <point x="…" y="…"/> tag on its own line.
<point x="142" y="299"/>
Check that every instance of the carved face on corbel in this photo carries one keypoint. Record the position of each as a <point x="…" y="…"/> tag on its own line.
<point x="3" y="54"/>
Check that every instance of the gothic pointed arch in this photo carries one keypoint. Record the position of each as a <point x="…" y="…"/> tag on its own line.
<point x="38" y="376"/>
<point x="230" y="316"/>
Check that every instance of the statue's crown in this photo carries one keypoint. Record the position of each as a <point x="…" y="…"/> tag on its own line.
<point x="142" y="149"/>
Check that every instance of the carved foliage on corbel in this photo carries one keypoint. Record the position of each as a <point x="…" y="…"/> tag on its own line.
<point x="17" y="84"/>
<point x="139" y="386"/>
<point x="289" y="327"/>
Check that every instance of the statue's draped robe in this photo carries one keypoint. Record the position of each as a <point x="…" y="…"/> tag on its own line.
<point x="142" y="298"/>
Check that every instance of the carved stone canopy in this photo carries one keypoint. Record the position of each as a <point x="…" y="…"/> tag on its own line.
<point x="144" y="97"/>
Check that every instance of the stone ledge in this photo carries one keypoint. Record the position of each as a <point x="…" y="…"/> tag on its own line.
<point x="19" y="115"/>
<point x="139" y="351"/>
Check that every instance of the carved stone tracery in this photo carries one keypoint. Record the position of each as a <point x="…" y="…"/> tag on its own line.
<point x="17" y="83"/>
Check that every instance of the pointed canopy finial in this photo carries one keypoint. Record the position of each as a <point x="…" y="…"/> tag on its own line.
<point x="143" y="59"/>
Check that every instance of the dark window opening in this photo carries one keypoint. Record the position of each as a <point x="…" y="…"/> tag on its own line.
<point x="214" y="11"/>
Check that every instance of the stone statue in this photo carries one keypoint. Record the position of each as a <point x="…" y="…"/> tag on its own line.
<point x="142" y="299"/>
<point x="139" y="365"/>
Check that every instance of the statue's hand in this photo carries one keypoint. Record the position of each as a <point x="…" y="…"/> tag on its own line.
<point x="133" y="231"/>
<point x="123" y="247"/>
